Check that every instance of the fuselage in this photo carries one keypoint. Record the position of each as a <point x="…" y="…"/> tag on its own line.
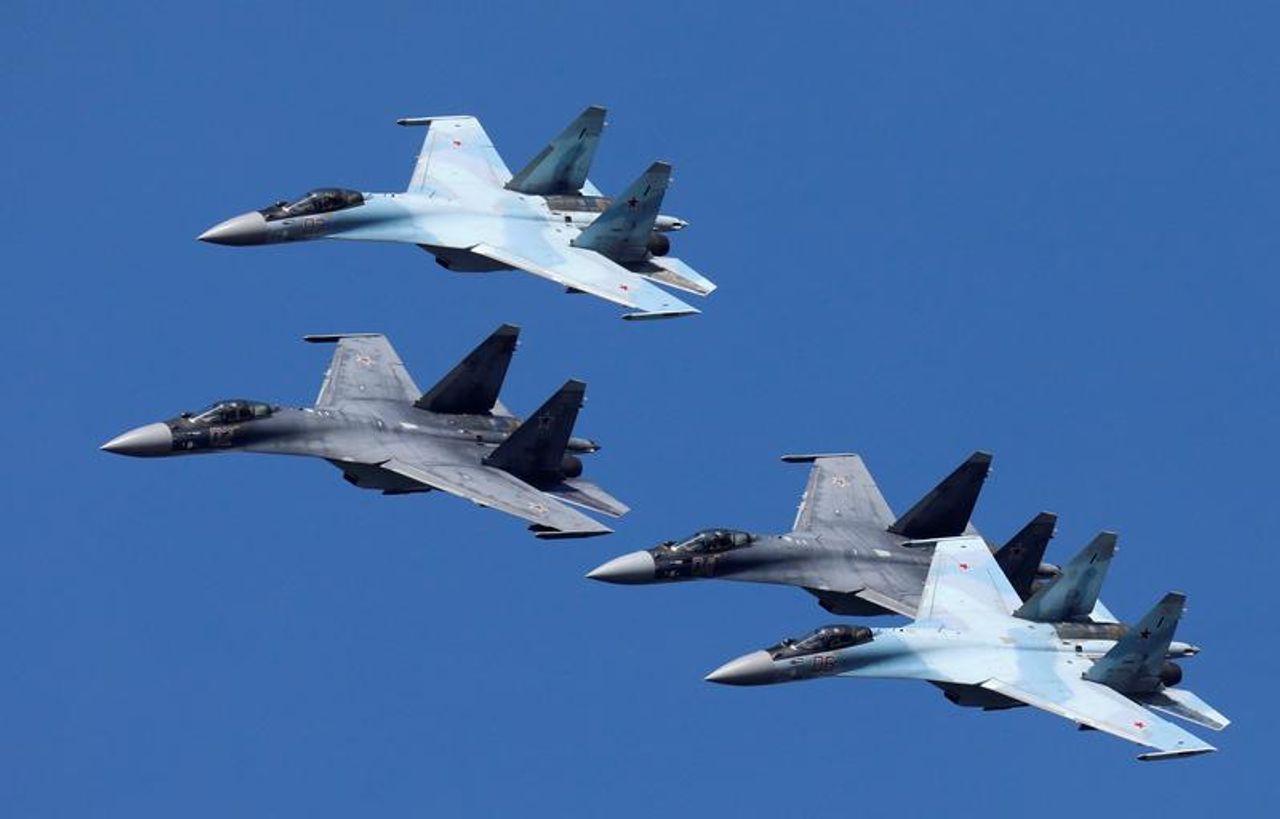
<point x="833" y="565"/>
<point x="355" y="440"/>
<point x="445" y="218"/>
<point x="925" y="651"/>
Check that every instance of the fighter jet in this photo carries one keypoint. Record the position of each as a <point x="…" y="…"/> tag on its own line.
<point x="970" y="639"/>
<point x="373" y="423"/>
<point x="466" y="208"/>
<point x="845" y="546"/>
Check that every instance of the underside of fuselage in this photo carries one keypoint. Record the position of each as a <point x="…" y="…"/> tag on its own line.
<point x="460" y="260"/>
<point x="371" y="476"/>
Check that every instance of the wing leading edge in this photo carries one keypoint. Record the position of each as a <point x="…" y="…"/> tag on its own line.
<point x="589" y="272"/>
<point x="1097" y="706"/>
<point x="486" y="486"/>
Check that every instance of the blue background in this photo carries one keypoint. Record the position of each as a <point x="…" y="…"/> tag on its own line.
<point x="1041" y="229"/>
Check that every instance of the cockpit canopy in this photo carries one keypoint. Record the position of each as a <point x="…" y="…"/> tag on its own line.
<point x="824" y="638"/>
<point x="320" y="200"/>
<point x="709" y="541"/>
<point x="231" y="411"/>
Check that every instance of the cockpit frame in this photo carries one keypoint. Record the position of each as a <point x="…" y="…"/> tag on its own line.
<point x="822" y="639"/>
<point x="230" y="411"/>
<point x="313" y="203"/>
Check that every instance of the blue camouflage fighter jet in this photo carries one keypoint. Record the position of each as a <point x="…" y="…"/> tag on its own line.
<point x="976" y="639"/>
<point x="467" y="209"/>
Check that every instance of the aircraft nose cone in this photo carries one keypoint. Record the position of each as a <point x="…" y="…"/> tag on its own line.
<point x="153" y="439"/>
<point x="755" y="668"/>
<point x="246" y="229"/>
<point x="637" y="567"/>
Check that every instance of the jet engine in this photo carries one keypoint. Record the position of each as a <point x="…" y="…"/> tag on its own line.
<point x="570" y="466"/>
<point x="658" y="244"/>
<point x="1170" y="674"/>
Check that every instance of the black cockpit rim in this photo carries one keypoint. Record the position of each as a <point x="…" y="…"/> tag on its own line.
<point x="824" y="638"/>
<point x="313" y="202"/>
<point x="230" y="411"/>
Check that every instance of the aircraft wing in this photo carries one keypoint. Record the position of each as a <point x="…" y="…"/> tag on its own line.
<point x="1096" y="706"/>
<point x="588" y="271"/>
<point x="840" y="490"/>
<point x="965" y="585"/>
<point x="456" y="152"/>
<point x="364" y="367"/>
<point x="966" y="589"/>
<point x="494" y="488"/>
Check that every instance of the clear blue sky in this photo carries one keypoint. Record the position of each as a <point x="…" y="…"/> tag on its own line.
<point x="1041" y="229"/>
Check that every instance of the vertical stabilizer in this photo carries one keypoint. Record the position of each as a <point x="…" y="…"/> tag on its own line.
<point x="1021" y="557"/>
<point x="472" y="386"/>
<point x="1073" y="594"/>
<point x="562" y="166"/>
<point x="1133" y="664"/>
<point x="946" y="510"/>
<point x="622" y="232"/>
<point x="535" y="452"/>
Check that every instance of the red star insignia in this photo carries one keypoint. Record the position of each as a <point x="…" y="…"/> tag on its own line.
<point x="1139" y="724"/>
<point x="457" y="143"/>
<point x="964" y="567"/>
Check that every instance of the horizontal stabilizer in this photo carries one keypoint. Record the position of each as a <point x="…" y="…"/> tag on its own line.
<point x="622" y="232"/>
<point x="536" y="449"/>
<point x="473" y="385"/>
<point x="589" y="496"/>
<point x="946" y="510"/>
<point x="1183" y="704"/>
<point x="675" y="273"/>
<point x="1073" y="594"/>
<point x="1020" y="558"/>
<point x="1133" y="664"/>
<point x="562" y="166"/>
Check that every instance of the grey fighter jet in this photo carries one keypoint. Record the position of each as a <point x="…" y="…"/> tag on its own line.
<point x="846" y="547"/>
<point x="373" y="423"/>
<point x="466" y="208"/>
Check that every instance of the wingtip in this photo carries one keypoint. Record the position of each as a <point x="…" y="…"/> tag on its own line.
<point x="331" y="338"/>
<point x="810" y="458"/>
<point x="651" y="315"/>
<point x="1156" y="756"/>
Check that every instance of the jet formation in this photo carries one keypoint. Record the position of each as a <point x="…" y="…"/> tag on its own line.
<point x="372" y="422"/>
<point x="847" y="549"/>
<point x="994" y="626"/>
<point x="467" y="209"/>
